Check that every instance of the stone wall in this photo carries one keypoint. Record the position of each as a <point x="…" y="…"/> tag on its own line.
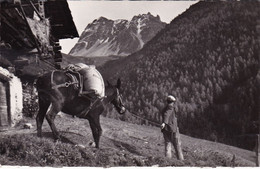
<point x="14" y="96"/>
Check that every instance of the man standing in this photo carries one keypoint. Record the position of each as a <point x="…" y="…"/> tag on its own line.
<point x="170" y="129"/>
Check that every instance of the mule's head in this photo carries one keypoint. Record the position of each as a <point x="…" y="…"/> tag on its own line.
<point x="116" y="97"/>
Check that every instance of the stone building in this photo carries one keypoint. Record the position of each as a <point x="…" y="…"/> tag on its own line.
<point x="11" y="97"/>
<point x="29" y="29"/>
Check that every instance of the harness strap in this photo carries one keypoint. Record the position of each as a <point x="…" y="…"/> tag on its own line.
<point x="66" y="84"/>
<point x="74" y="80"/>
<point x="87" y="110"/>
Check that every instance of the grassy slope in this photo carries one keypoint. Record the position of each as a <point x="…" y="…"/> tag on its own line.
<point x="122" y="144"/>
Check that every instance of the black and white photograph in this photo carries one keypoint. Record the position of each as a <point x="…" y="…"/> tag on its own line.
<point x="104" y="84"/>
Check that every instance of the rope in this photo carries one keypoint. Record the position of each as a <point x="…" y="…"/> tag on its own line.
<point x="156" y="124"/>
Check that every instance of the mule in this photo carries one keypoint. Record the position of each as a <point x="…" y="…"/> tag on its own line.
<point x="54" y="97"/>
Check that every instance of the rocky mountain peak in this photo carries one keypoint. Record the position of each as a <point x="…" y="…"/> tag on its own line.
<point x="105" y="37"/>
<point x="147" y="16"/>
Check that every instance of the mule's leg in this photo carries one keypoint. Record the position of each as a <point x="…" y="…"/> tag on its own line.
<point x="96" y="129"/>
<point x="43" y="107"/>
<point x="50" y="116"/>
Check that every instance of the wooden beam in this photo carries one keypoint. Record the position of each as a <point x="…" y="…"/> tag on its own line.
<point x="34" y="38"/>
<point x="10" y="6"/>
<point x="258" y="108"/>
<point x="16" y="33"/>
<point x="0" y="23"/>
<point x="5" y="20"/>
<point x="258" y="150"/>
<point x="37" y="12"/>
<point x="41" y="4"/>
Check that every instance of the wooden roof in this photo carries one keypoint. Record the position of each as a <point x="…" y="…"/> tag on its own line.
<point x="61" y="20"/>
<point x="14" y="29"/>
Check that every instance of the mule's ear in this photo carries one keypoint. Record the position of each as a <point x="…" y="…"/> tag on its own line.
<point x="108" y="83"/>
<point x="118" y="85"/>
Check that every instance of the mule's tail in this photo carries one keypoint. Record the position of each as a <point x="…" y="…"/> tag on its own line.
<point x="43" y="82"/>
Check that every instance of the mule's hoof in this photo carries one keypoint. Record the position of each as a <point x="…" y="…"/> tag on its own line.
<point x="57" y="139"/>
<point x="97" y="146"/>
<point x="92" y="144"/>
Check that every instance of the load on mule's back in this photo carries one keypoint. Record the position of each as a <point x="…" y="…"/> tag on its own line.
<point x="92" y="84"/>
<point x="77" y="90"/>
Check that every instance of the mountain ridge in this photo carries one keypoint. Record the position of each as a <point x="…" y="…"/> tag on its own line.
<point x="104" y="37"/>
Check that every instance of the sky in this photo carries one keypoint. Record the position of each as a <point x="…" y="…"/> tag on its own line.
<point x="85" y="12"/>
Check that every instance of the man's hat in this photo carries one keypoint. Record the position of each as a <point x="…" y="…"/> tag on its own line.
<point x="171" y="98"/>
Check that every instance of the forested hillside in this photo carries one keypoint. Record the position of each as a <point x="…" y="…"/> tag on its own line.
<point x="208" y="58"/>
